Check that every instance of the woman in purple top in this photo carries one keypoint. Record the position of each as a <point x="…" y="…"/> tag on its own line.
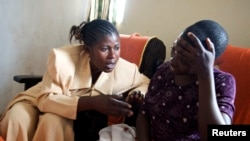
<point x="187" y="93"/>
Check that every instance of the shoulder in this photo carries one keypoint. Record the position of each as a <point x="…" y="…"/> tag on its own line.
<point x="162" y="76"/>
<point x="163" y="70"/>
<point x="163" y="66"/>
<point x="126" y="69"/>
<point x="124" y="64"/>
<point x="67" y="52"/>
<point x="68" y="49"/>
<point x="223" y="76"/>
<point x="225" y="83"/>
<point x="65" y="56"/>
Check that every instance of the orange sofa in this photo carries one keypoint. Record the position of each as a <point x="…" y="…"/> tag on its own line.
<point x="236" y="60"/>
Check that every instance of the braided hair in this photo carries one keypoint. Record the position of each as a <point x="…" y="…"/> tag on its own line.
<point x="90" y="33"/>
<point x="209" y="29"/>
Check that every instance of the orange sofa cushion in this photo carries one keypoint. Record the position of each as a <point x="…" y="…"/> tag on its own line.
<point x="147" y="52"/>
<point x="132" y="47"/>
<point x="236" y="60"/>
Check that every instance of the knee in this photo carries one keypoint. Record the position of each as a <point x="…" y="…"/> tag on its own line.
<point x="20" y="119"/>
<point x="54" y="127"/>
<point x="49" y="119"/>
<point x="20" y="115"/>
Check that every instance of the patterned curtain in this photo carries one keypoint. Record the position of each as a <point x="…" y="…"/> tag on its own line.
<point x="106" y="9"/>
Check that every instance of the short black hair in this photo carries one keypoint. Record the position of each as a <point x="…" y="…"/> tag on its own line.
<point x="209" y="29"/>
<point x="92" y="32"/>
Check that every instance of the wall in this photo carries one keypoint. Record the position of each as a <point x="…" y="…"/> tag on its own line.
<point x="29" y="29"/>
<point x="167" y="18"/>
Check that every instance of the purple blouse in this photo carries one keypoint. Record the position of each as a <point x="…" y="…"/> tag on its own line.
<point x="173" y="110"/>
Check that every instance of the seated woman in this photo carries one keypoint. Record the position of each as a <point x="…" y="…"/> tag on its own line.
<point x="187" y="93"/>
<point x="86" y="77"/>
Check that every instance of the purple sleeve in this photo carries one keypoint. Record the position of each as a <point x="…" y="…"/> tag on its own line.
<point x="226" y="91"/>
<point x="154" y="86"/>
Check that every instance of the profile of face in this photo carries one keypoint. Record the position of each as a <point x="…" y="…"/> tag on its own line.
<point x="105" y="54"/>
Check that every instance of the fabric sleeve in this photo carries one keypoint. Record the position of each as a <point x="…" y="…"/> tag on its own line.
<point x="154" y="87"/>
<point x="55" y="96"/>
<point x="128" y="77"/>
<point x="226" y="92"/>
<point x="143" y="82"/>
<point x="150" y="92"/>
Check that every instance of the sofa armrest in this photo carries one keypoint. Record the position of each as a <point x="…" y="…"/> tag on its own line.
<point x="28" y="80"/>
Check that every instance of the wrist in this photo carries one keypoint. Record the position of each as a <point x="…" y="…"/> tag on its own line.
<point x="205" y="74"/>
<point x="85" y="103"/>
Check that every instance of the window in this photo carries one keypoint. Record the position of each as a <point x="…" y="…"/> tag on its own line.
<point x="112" y="10"/>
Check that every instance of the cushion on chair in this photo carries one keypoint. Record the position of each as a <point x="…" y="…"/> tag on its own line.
<point x="132" y="47"/>
<point x="1" y="139"/>
<point x="154" y="55"/>
<point x="145" y="51"/>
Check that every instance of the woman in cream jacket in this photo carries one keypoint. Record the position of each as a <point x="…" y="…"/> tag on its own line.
<point x="88" y="76"/>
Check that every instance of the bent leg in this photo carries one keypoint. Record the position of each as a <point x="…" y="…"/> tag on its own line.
<point x="19" y="122"/>
<point x="52" y="127"/>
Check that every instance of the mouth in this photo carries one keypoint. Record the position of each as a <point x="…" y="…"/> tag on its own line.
<point x="110" y="65"/>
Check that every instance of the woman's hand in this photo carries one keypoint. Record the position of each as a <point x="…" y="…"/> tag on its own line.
<point x="197" y="56"/>
<point x="111" y="105"/>
<point x="134" y="97"/>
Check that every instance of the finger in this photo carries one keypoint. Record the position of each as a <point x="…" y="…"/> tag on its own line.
<point x="142" y="98"/>
<point x="210" y="45"/>
<point x="118" y="97"/>
<point x="180" y="52"/>
<point x="128" y="112"/>
<point x="138" y="94"/>
<point x="131" y="96"/>
<point x="135" y="96"/>
<point x="133" y="92"/>
<point x="185" y="50"/>
<point x="121" y="104"/>
<point x="125" y="94"/>
<point x="196" y="41"/>
<point x="181" y="46"/>
<point x="118" y="111"/>
<point x="123" y="108"/>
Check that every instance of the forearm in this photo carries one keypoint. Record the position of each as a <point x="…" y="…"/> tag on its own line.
<point x="65" y="106"/>
<point x="142" y="128"/>
<point x="209" y="112"/>
<point x="85" y="103"/>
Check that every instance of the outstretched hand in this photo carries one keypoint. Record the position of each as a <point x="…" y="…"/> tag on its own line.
<point x="112" y="105"/>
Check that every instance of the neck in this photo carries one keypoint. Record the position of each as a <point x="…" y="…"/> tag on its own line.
<point x="95" y="74"/>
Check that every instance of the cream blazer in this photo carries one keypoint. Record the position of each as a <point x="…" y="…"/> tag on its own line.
<point x="68" y="77"/>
